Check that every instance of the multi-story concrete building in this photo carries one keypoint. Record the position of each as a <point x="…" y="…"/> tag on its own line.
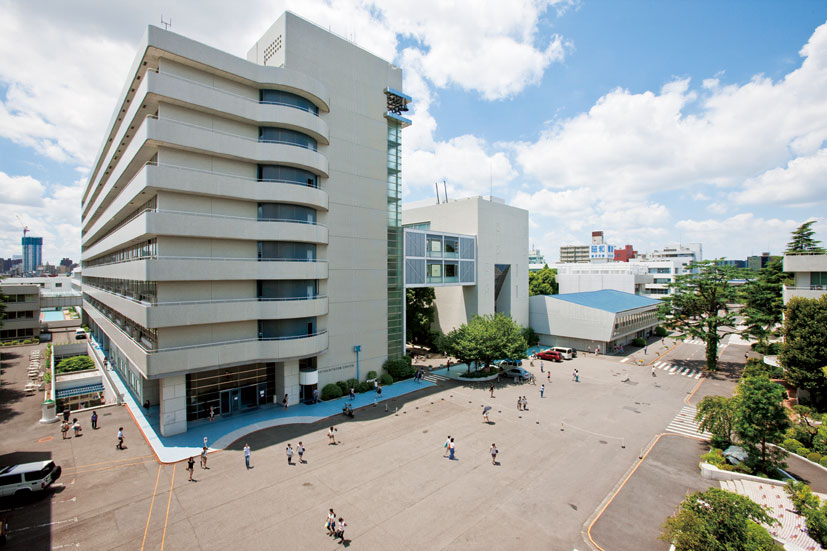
<point x="536" y="260"/>
<point x="810" y="273"/>
<point x="22" y="319"/>
<point x="241" y="232"/>
<point x="574" y="253"/>
<point x="620" y="276"/>
<point x="681" y="253"/>
<point x="447" y="233"/>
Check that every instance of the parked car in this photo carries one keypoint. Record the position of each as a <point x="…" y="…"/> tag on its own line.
<point x="80" y="334"/>
<point x="23" y="479"/>
<point x="550" y="355"/>
<point x="516" y="373"/>
<point x="509" y="363"/>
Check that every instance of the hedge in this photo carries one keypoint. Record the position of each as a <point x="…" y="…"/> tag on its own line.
<point x="364" y="386"/>
<point x="399" y="369"/>
<point x="75" y="363"/>
<point x="331" y="391"/>
<point x="371" y="375"/>
<point x="823" y="461"/>
<point x="386" y="379"/>
<point x="639" y="342"/>
<point x="803" y="452"/>
<point x="661" y="331"/>
<point x="343" y="387"/>
<point x="792" y="445"/>
<point x="815" y="457"/>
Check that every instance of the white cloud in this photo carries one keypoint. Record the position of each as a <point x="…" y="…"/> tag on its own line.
<point x="20" y="190"/>
<point x="743" y="232"/>
<point x="802" y="182"/>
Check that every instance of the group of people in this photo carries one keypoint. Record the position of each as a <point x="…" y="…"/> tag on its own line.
<point x="522" y="403"/>
<point x="299" y="451"/>
<point x="74" y="425"/>
<point x="336" y="527"/>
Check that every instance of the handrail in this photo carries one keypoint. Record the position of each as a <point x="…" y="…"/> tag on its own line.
<point x="805" y="253"/>
<point x="239" y="136"/>
<point x="219" y="258"/>
<point x="227" y="92"/>
<point x="212" y="301"/>
<point x="239" y="341"/>
<point x="806" y="288"/>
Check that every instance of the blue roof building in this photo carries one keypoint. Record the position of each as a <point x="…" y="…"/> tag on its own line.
<point x="595" y="319"/>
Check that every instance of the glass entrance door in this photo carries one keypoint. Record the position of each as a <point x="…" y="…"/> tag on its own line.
<point x="230" y="402"/>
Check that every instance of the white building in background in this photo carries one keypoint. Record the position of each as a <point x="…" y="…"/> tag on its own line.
<point x="626" y="277"/>
<point x="240" y="228"/>
<point x="536" y="260"/>
<point x="501" y="280"/>
<point x="810" y="273"/>
<point x="680" y="253"/>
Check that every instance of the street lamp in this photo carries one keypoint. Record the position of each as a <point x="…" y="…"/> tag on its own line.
<point x="356" y="349"/>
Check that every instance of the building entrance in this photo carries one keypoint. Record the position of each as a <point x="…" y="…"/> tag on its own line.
<point x="229" y="390"/>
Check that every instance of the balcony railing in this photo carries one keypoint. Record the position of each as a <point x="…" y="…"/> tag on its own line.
<point x="216" y="258"/>
<point x="238" y="341"/>
<point x="238" y="136"/>
<point x="211" y="301"/>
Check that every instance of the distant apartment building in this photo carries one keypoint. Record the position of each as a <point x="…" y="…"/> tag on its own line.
<point x="241" y="236"/>
<point x="756" y="262"/>
<point x="682" y="253"/>
<point x="574" y="253"/>
<point x="809" y="273"/>
<point x="32" y="254"/>
<point x="536" y="260"/>
<point x="22" y="318"/>
<point x="625" y="254"/>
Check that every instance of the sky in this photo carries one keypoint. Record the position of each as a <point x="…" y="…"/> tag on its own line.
<point x="657" y="122"/>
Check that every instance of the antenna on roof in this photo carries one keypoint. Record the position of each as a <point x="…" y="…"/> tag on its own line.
<point x="491" y="181"/>
<point x="166" y="24"/>
<point x="436" y="185"/>
<point x="445" y="187"/>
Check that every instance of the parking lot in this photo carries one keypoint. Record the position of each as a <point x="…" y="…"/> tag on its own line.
<point x="387" y="477"/>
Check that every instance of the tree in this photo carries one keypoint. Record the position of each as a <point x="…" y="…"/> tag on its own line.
<point x="761" y="420"/>
<point x="485" y="339"/>
<point x="763" y="302"/>
<point x="803" y="242"/>
<point x="803" y="353"/>
<point x="543" y="282"/>
<point x="419" y="315"/>
<point x="699" y="303"/>
<point x="716" y="414"/>
<point x="717" y="520"/>
<point x="808" y="505"/>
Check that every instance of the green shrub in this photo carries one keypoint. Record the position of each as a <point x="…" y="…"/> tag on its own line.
<point x="343" y="387"/>
<point x="639" y="342"/>
<point x="331" y="391"/>
<point x="823" y="461"/>
<point x="364" y="386"/>
<point x="714" y="457"/>
<point x="386" y="379"/>
<point x="47" y="377"/>
<point x="531" y="337"/>
<point x="792" y="445"/>
<point x="352" y="383"/>
<point x="661" y="331"/>
<point x="75" y="363"/>
<point x="815" y="457"/>
<point x="399" y="369"/>
<point x="803" y="452"/>
<point x="771" y="349"/>
<point x="371" y="375"/>
<point x="742" y="468"/>
<point x="28" y="341"/>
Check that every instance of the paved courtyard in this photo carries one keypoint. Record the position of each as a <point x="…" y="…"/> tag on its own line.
<point x="387" y="476"/>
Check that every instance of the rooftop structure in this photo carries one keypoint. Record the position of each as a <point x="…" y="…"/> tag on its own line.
<point x="810" y="274"/>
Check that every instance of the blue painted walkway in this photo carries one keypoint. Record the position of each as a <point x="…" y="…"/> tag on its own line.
<point x="226" y="430"/>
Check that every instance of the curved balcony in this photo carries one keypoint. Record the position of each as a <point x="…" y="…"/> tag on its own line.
<point x="201" y="225"/>
<point x="191" y="268"/>
<point x="173" y="314"/>
<point x="222" y="102"/>
<point x="213" y="142"/>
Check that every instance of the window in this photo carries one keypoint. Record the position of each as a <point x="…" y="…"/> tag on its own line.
<point x="287" y="289"/>
<point x="287" y="175"/>
<point x="273" y="134"/>
<point x="281" y="211"/>
<point x="818" y="278"/>
<point x="434" y="272"/>
<point x="435" y="246"/>
<point x="286" y="250"/>
<point x="58" y="285"/>
<point x="280" y="97"/>
<point x="451" y="247"/>
<point x="451" y="272"/>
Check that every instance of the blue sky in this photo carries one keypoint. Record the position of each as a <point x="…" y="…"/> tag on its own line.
<point x="653" y="121"/>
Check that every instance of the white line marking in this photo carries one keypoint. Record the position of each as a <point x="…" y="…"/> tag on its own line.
<point x="55" y="523"/>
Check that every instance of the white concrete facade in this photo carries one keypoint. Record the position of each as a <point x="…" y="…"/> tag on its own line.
<point x="620" y="276"/>
<point x="810" y="273"/>
<point x="502" y="239"/>
<point x="235" y="225"/>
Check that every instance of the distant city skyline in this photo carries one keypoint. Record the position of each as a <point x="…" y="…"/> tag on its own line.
<point x="658" y="123"/>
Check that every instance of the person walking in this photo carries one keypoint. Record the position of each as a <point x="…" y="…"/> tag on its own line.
<point x="576" y="375"/>
<point x="451" y="450"/>
<point x="549" y="376"/>
<point x="212" y="414"/>
<point x="525" y="403"/>
<point x="645" y="350"/>
<point x="66" y="413"/>
<point x="94" y="420"/>
<point x="491" y="390"/>
<point x="289" y="452"/>
<point x="519" y="403"/>
<point x="653" y="371"/>
<point x="331" y="523"/>
<point x="119" y="445"/>
<point x="300" y="451"/>
<point x="446" y="445"/>
<point x="204" y="457"/>
<point x="541" y="366"/>
<point x="352" y="393"/>
<point x="340" y="530"/>
<point x="191" y="466"/>
<point x="284" y="402"/>
<point x="485" y="416"/>
<point x="542" y="390"/>
<point x="246" y="455"/>
<point x="494" y="451"/>
<point x="76" y="427"/>
<point x="315" y="395"/>
<point x="64" y="429"/>
<point x="331" y="436"/>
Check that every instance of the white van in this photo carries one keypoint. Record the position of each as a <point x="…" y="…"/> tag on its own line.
<point x="80" y="334"/>
<point x="565" y="353"/>
<point x="20" y="480"/>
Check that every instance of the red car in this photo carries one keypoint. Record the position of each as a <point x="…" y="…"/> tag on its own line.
<point x="550" y="355"/>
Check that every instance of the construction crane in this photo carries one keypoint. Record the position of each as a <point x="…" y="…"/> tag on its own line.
<point x="25" y="227"/>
